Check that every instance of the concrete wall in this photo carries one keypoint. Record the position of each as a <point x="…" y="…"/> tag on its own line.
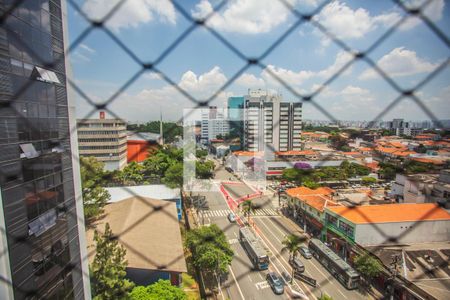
<point x="406" y="232"/>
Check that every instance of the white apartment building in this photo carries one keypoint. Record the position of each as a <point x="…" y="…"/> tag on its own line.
<point x="214" y="122"/>
<point x="104" y="139"/>
<point x="269" y="121"/>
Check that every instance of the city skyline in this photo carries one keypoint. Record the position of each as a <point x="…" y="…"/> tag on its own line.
<point x="201" y="65"/>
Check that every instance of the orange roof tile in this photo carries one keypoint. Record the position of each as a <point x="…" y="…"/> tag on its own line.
<point x="292" y="152"/>
<point x="373" y="165"/>
<point x="247" y="153"/>
<point x="319" y="202"/>
<point x="397" y="144"/>
<point x="351" y="153"/>
<point x="389" y="213"/>
<point x="427" y="160"/>
<point x="404" y="153"/>
<point x="303" y="191"/>
<point x="365" y="149"/>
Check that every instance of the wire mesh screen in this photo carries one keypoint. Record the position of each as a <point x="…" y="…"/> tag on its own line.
<point x="39" y="64"/>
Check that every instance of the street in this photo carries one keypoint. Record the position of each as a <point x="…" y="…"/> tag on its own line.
<point x="243" y="282"/>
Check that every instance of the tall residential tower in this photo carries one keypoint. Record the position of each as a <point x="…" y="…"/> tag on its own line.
<point x="270" y="122"/>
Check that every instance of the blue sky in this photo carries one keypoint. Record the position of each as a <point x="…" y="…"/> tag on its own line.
<point x="201" y="64"/>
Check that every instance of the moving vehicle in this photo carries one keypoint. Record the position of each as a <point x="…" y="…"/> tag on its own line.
<point x="231" y="217"/>
<point x="340" y="269"/>
<point x="275" y="283"/>
<point x="297" y="264"/>
<point x="304" y="251"/>
<point x="255" y="251"/>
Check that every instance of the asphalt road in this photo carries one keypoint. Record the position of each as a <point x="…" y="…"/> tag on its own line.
<point x="245" y="283"/>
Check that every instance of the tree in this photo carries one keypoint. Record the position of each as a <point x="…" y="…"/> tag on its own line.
<point x="291" y="243"/>
<point x="311" y="184"/>
<point x="132" y="174"/>
<point x="204" y="170"/>
<point x="325" y="297"/>
<point x="108" y="268"/>
<point x="173" y="176"/>
<point x="210" y="249"/>
<point x="170" y="130"/>
<point x="368" y="266"/>
<point x="368" y="180"/>
<point x="201" y="153"/>
<point x="247" y="208"/>
<point x="290" y="174"/>
<point x="161" y="290"/>
<point x="94" y="195"/>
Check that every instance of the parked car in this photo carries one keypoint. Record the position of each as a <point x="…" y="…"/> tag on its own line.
<point x="231" y="217"/>
<point x="297" y="264"/>
<point x="304" y="251"/>
<point x="275" y="283"/>
<point x="286" y="277"/>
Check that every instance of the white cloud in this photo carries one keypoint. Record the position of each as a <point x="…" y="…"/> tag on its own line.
<point x="245" y="16"/>
<point x="145" y="104"/>
<point x="400" y="62"/>
<point x="250" y="81"/>
<point x="131" y="13"/>
<point x="295" y="79"/>
<point x="433" y="10"/>
<point x="347" y="23"/>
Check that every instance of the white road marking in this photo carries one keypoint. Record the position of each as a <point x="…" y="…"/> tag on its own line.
<point x="235" y="281"/>
<point x="264" y="239"/>
<point x="262" y="285"/>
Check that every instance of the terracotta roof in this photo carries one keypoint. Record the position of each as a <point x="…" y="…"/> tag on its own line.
<point x="427" y="160"/>
<point x="319" y="202"/>
<point x="248" y="153"/>
<point x="365" y="149"/>
<point x="351" y="153"/>
<point x="292" y="152"/>
<point x="148" y="229"/>
<point x="389" y="213"/>
<point x="397" y="144"/>
<point x="373" y="165"/>
<point x="303" y="191"/>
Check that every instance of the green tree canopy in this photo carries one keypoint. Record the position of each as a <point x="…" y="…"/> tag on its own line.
<point x="205" y="169"/>
<point x="210" y="248"/>
<point x="170" y="129"/>
<point x="161" y="290"/>
<point x="368" y="266"/>
<point x="108" y="268"/>
<point x="325" y="297"/>
<point x="292" y="243"/>
<point x="94" y="195"/>
<point x="173" y="176"/>
<point x="368" y="180"/>
<point x="247" y="208"/>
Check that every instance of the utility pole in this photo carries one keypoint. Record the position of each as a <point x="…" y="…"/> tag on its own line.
<point x="393" y="265"/>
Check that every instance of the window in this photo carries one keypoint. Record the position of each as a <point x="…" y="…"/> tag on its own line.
<point x="346" y="228"/>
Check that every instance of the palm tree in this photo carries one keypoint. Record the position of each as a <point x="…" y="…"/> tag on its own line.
<point x="247" y="208"/>
<point x="292" y="243"/>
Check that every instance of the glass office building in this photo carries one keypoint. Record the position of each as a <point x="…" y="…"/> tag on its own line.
<point x="236" y="118"/>
<point x="40" y="218"/>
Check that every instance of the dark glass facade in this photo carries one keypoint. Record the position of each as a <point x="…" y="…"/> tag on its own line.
<point x="36" y="177"/>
